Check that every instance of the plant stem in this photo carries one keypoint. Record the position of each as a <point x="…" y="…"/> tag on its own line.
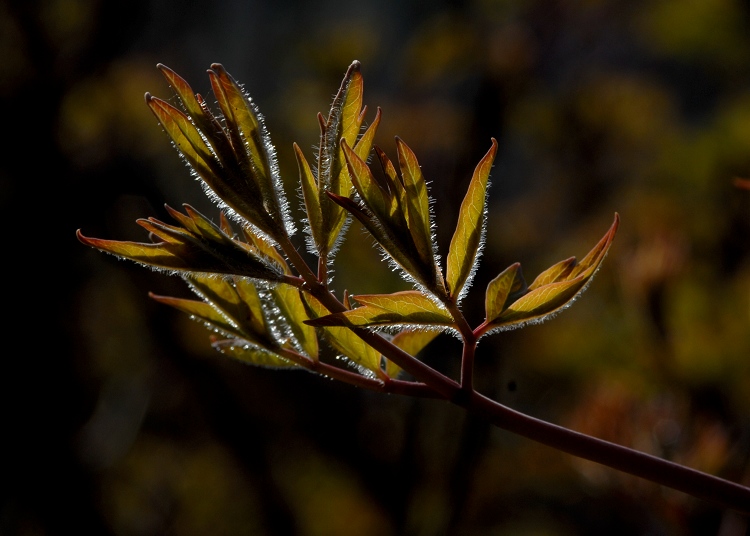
<point x="434" y="384"/>
<point x="660" y="471"/>
<point x="469" y="345"/>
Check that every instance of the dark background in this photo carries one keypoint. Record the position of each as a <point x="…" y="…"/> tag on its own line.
<point x="118" y="418"/>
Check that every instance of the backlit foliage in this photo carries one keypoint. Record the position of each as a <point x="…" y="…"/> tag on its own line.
<point x="259" y="297"/>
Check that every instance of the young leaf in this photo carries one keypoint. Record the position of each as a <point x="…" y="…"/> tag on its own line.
<point x="467" y="240"/>
<point x="250" y="139"/>
<point x="186" y="137"/>
<point x="557" y="272"/>
<point x="311" y="198"/>
<point x="293" y="309"/>
<point x="343" y="339"/>
<point x="509" y="283"/>
<point x="401" y="308"/>
<point x="545" y="298"/>
<point x="343" y="125"/>
<point x="201" y="248"/>
<point x="252" y="355"/>
<point x="237" y="299"/>
<point x="262" y="247"/>
<point x="412" y="342"/>
<point x="417" y="206"/>
<point x="206" y="313"/>
<point x="399" y="224"/>
<point x="236" y="162"/>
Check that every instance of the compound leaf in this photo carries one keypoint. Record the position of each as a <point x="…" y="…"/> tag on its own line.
<point x="203" y="248"/>
<point x="567" y="282"/>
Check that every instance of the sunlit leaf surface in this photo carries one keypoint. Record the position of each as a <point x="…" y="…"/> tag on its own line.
<point x="203" y="248"/>
<point x="463" y="254"/>
<point x="552" y="291"/>
<point x="343" y="339"/>
<point x="252" y="355"/>
<point x="402" y="308"/>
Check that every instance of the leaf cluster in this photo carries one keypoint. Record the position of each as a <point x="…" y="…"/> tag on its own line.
<point x="265" y="305"/>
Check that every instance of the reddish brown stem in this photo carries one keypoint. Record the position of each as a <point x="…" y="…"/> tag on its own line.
<point x="658" y="470"/>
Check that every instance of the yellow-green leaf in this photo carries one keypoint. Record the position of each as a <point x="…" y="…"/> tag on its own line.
<point x="547" y="299"/>
<point x="253" y="355"/>
<point x="412" y="342"/>
<point x="364" y="145"/>
<point x="417" y="206"/>
<point x="248" y="293"/>
<point x="243" y="309"/>
<point x="401" y="308"/>
<point x="184" y="134"/>
<point x="184" y="92"/>
<point x="263" y="247"/>
<point x="204" y="312"/>
<point x="203" y="248"/>
<point x="311" y="198"/>
<point x="293" y="309"/>
<point x="351" y="114"/>
<point x="540" y="303"/>
<point x="245" y="129"/>
<point x="509" y="282"/>
<point x="344" y="340"/>
<point x="593" y="258"/>
<point x="343" y="124"/>
<point x="467" y="240"/>
<point x="369" y="189"/>
<point x="557" y="272"/>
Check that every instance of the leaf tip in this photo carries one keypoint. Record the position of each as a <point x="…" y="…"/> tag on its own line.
<point x="82" y="239"/>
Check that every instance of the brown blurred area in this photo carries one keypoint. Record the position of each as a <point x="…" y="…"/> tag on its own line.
<point x="118" y="417"/>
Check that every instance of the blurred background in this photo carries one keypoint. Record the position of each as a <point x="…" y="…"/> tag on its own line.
<point x="118" y="417"/>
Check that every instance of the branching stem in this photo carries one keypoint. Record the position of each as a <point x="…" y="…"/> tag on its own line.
<point x="430" y="383"/>
<point x="702" y="485"/>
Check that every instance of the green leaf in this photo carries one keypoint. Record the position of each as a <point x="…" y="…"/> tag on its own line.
<point x="546" y="299"/>
<point x="206" y="313"/>
<point x="199" y="114"/>
<point x="412" y="342"/>
<point x="247" y="132"/>
<point x="363" y="146"/>
<point x="294" y="311"/>
<point x="343" y="339"/>
<point x="375" y="196"/>
<point x="396" y="245"/>
<point x="311" y="198"/>
<point x="185" y="135"/>
<point x="236" y="161"/>
<point x="238" y="299"/>
<point x="557" y="272"/>
<point x="510" y="282"/>
<point x="387" y="217"/>
<point x="343" y="125"/>
<point x="417" y="206"/>
<point x="203" y="248"/>
<point x="252" y="355"/>
<point x="265" y="249"/>
<point x="539" y="303"/>
<point x="409" y="307"/>
<point x="466" y="243"/>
